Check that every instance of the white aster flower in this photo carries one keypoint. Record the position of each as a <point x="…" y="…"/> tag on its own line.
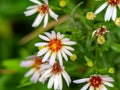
<point x="36" y="65"/>
<point x="55" y="74"/>
<point x="43" y="10"/>
<point x="111" y="11"/>
<point x="55" y="46"/>
<point x="96" y="82"/>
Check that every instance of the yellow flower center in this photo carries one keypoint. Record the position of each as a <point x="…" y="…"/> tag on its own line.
<point x="62" y="3"/>
<point x="101" y="40"/>
<point x="55" y="45"/>
<point x="37" y="63"/>
<point x="95" y="81"/>
<point x="56" y="68"/>
<point x="43" y="9"/>
<point x="113" y="2"/>
<point x="90" y="15"/>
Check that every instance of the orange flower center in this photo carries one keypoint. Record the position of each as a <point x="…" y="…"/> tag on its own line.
<point x="43" y="9"/>
<point x="113" y="2"/>
<point x="37" y="63"/>
<point x="55" y="45"/>
<point x="95" y="81"/>
<point x="56" y="68"/>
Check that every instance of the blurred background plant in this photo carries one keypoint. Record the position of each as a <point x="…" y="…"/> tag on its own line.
<point x="17" y="39"/>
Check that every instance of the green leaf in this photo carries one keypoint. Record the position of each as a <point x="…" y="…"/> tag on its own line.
<point x="115" y="47"/>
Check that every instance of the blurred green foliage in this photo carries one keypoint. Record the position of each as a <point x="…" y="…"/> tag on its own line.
<point x="14" y="25"/>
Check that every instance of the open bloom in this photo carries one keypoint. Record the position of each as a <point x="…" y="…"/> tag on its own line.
<point x="55" y="73"/>
<point x="35" y="63"/>
<point x="111" y="11"/>
<point x="43" y="10"/>
<point x="96" y="82"/>
<point x="55" y="46"/>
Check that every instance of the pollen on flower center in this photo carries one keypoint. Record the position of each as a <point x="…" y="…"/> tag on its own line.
<point x="55" y="45"/>
<point x="43" y="9"/>
<point x="37" y="63"/>
<point x="56" y="68"/>
<point x="113" y="2"/>
<point x="95" y="81"/>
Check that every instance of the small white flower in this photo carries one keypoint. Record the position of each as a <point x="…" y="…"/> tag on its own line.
<point x="43" y="10"/>
<point x="111" y="11"/>
<point x="55" y="46"/>
<point x="36" y="65"/>
<point x="96" y="82"/>
<point x="55" y="74"/>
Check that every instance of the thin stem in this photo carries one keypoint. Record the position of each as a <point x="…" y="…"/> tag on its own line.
<point x="39" y="30"/>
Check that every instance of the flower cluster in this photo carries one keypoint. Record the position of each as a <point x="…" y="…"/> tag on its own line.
<point x="54" y="48"/>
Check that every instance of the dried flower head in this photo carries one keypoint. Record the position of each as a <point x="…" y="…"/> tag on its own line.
<point x="100" y="31"/>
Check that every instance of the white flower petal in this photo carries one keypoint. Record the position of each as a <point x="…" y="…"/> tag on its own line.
<point x="94" y="33"/>
<point x="27" y="63"/>
<point x="60" y="82"/>
<point x="46" y="1"/>
<point x="66" y="77"/>
<point x="103" y="87"/>
<point x="38" y="20"/>
<point x="60" y="36"/>
<point x="30" y="12"/>
<point x="35" y="77"/>
<point x="69" y="48"/>
<point x="69" y="43"/>
<point x="41" y="44"/>
<point x="108" y="13"/>
<point x="85" y="86"/>
<point x="44" y="66"/>
<point x="44" y="37"/>
<point x="48" y="34"/>
<point x="52" y="59"/>
<point x="53" y="34"/>
<point x="45" y="75"/>
<point x="30" y="72"/>
<point x="45" y="20"/>
<point x="106" y="78"/>
<point x="53" y="15"/>
<point x="81" y="80"/>
<point x="64" y="55"/>
<point x="91" y="88"/>
<point x="42" y="51"/>
<point x="108" y="84"/>
<point x="67" y="52"/>
<point x="50" y="82"/>
<point x="32" y="7"/>
<point x="114" y="13"/>
<point x="65" y="40"/>
<point x="60" y="58"/>
<point x="36" y="2"/>
<point x="101" y="7"/>
<point x="56" y="82"/>
<point x="47" y="55"/>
